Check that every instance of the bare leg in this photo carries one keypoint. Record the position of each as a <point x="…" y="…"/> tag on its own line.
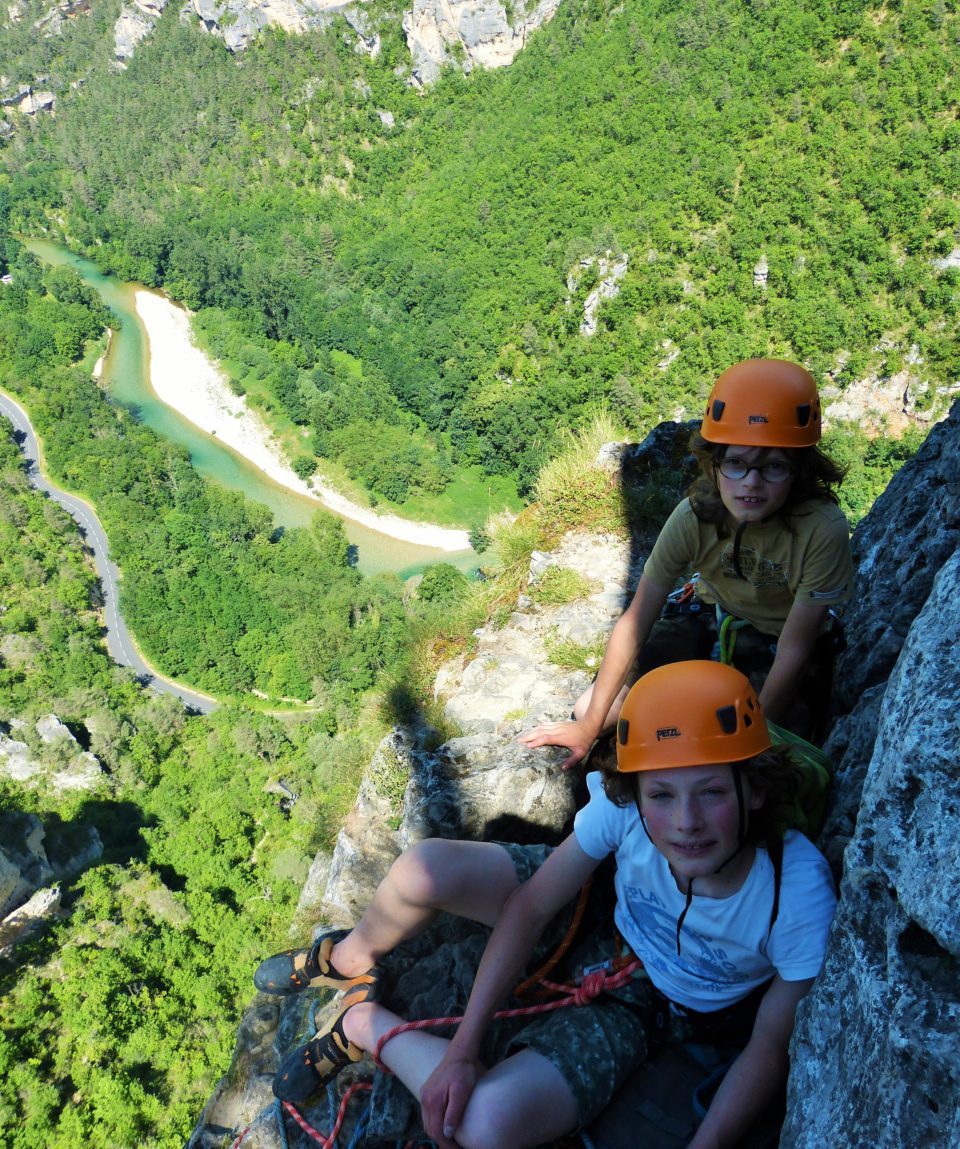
<point x="580" y="707"/>
<point x="521" y="1102"/>
<point x="470" y="879"/>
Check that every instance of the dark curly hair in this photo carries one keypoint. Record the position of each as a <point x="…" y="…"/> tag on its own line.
<point x="815" y="475"/>
<point x="774" y="773"/>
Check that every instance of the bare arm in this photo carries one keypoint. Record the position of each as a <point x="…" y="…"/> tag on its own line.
<point x="629" y="634"/>
<point x="757" y="1075"/>
<point x="526" y="912"/>
<point x="794" y="648"/>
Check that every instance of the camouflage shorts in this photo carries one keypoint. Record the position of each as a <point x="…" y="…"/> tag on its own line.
<point x="595" y="1047"/>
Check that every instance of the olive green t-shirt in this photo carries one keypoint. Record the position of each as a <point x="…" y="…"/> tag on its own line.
<point x="810" y="564"/>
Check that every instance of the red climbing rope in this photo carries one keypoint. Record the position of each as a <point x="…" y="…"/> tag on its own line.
<point x="236" y="1144"/>
<point x="591" y="987"/>
<point x="315" y="1134"/>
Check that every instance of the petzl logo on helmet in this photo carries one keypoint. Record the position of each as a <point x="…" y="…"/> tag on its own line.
<point x="757" y="419"/>
<point x="667" y="732"/>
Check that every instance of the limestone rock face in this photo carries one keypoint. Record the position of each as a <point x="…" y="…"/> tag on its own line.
<point x="28" y="917"/>
<point x="611" y="272"/>
<point x="238" y="22"/>
<point x="15" y="760"/>
<point x="25" y="867"/>
<point x="9" y="880"/>
<point x="467" y="33"/>
<point x="12" y="94"/>
<point x="36" y="102"/>
<point x="134" y="23"/>
<point x="884" y="1019"/>
<point x="367" y="843"/>
<point x="28" y="864"/>
<point x="74" y="769"/>
<point x="888" y="406"/>
<point x="464" y="33"/>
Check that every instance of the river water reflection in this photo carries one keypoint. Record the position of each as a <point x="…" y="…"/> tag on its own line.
<point x="126" y="375"/>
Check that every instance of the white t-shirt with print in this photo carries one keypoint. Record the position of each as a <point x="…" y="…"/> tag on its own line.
<point x="725" y="950"/>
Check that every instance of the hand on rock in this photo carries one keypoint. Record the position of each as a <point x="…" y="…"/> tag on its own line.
<point x="576" y="737"/>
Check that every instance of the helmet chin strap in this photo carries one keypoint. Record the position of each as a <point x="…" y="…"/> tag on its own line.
<point x="741" y="838"/>
<point x="741" y="527"/>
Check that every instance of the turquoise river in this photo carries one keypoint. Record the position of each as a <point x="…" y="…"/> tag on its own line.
<point x="126" y="374"/>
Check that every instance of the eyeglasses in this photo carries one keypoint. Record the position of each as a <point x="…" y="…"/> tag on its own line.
<point x="773" y="471"/>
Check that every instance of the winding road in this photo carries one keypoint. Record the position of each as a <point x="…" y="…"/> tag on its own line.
<point x="120" y="644"/>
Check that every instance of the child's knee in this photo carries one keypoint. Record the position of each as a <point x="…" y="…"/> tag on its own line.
<point x="516" y="1110"/>
<point x="425" y="873"/>
<point x="360" y="1024"/>
<point x="488" y="1123"/>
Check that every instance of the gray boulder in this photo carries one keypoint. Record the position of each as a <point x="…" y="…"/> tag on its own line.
<point x="135" y="22"/>
<point x="468" y="33"/>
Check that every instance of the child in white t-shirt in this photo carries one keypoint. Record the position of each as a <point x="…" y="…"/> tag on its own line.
<point x="730" y="921"/>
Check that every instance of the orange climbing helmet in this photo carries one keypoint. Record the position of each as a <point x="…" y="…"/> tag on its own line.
<point x="690" y="714"/>
<point x="763" y="403"/>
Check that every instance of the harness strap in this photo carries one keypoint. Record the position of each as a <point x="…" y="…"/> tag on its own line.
<point x="775" y="851"/>
<point x="686" y="907"/>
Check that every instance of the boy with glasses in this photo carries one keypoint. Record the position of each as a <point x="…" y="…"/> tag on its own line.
<point x="770" y="547"/>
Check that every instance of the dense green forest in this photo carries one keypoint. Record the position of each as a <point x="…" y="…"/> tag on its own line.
<point x="695" y="138"/>
<point x="116" y="1020"/>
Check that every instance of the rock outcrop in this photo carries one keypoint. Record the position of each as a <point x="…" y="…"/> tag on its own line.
<point x="239" y="22"/>
<point x="135" y="22"/>
<point x="611" y="270"/>
<point x="467" y="33"/>
<point x="463" y="33"/>
<point x="35" y="102"/>
<point x="28" y="864"/>
<point x="882" y="1019"/>
<point x="458" y="33"/>
<point x="899" y="548"/>
<point x="64" y="767"/>
<point x="48" y="756"/>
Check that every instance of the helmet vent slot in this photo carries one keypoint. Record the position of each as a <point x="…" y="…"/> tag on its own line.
<point x="718" y="406"/>
<point x="727" y="717"/>
<point x="623" y="727"/>
<point x="803" y="414"/>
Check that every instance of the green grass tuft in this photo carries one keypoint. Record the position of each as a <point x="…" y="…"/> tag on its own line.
<point x="558" y="586"/>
